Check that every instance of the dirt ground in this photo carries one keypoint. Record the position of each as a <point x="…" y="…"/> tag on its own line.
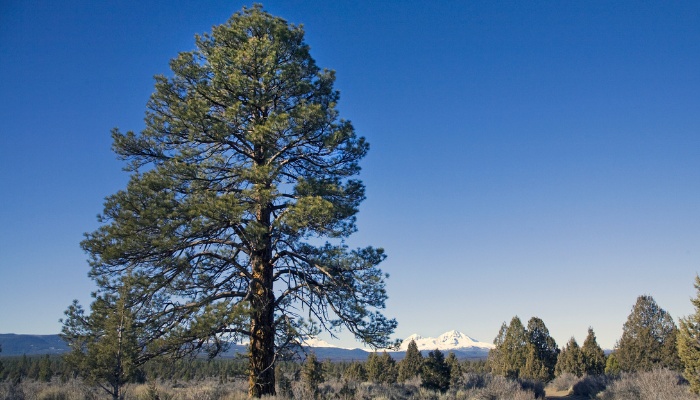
<point x="562" y="394"/>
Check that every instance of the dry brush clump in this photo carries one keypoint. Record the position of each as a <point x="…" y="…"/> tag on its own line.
<point x="565" y="381"/>
<point x="472" y="386"/>
<point x="659" y="384"/>
<point x="73" y="389"/>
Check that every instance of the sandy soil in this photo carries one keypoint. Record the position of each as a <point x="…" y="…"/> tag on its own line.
<point x="562" y="394"/>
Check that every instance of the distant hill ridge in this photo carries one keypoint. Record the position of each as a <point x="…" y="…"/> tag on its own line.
<point x="462" y="345"/>
<point x="17" y="345"/>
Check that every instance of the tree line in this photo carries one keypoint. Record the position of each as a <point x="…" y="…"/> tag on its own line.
<point x="650" y="340"/>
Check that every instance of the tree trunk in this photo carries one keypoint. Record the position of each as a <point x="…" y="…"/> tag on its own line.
<point x="262" y="339"/>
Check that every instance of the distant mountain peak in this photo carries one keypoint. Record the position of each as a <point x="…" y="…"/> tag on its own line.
<point x="450" y="340"/>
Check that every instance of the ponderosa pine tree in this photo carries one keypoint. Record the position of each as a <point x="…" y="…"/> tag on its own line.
<point x="412" y="362"/>
<point x="648" y="339"/>
<point x="689" y="342"/>
<point x="570" y="360"/>
<point x="244" y="167"/>
<point x="105" y="349"/>
<point x="593" y="356"/>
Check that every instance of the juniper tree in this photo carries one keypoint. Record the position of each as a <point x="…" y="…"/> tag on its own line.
<point x="570" y="360"/>
<point x="412" y="362"/>
<point x="45" y="372"/>
<point x="381" y="369"/>
<point x="689" y="343"/>
<point x="509" y="355"/>
<point x="612" y="366"/>
<point x="544" y="356"/>
<point x="455" y="369"/>
<point x="593" y="356"/>
<point x="312" y="373"/>
<point x="534" y="367"/>
<point x="356" y="372"/>
<point x="435" y="373"/>
<point x="243" y="171"/>
<point x="648" y="338"/>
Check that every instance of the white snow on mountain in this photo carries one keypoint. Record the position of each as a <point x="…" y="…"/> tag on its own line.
<point x="316" y="342"/>
<point x="452" y="340"/>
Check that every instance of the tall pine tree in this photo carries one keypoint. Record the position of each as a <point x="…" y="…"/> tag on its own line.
<point x="242" y="171"/>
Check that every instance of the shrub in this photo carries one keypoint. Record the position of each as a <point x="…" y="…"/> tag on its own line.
<point x="590" y="385"/>
<point x="659" y="384"/>
<point x="565" y="381"/>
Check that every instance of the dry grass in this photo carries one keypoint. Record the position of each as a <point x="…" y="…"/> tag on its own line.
<point x="475" y="387"/>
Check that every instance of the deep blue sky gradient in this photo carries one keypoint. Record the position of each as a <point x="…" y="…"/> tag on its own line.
<point x="527" y="158"/>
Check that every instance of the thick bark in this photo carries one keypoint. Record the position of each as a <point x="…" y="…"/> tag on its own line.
<point x="262" y="339"/>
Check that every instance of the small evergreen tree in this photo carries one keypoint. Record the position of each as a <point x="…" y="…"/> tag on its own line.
<point x="509" y="356"/>
<point x="612" y="366"/>
<point x="648" y="338"/>
<point x="381" y="369"/>
<point x="104" y="346"/>
<point x="570" y="360"/>
<point x="593" y="355"/>
<point x="391" y="371"/>
<point x="435" y="374"/>
<point x="534" y="366"/>
<point x="411" y="364"/>
<point x="45" y="372"/>
<point x="544" y="358"/>
<point x="356" y="372"/>
<point x="312" y="373"/>
<point x="495" y="362"/>
<point x="689" y="343"/>
<point x="455" y="369"/>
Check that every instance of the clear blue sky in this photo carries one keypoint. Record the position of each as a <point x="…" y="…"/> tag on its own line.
<point x="527" y="158"/>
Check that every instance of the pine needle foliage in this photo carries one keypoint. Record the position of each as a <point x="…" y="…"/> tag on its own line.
<point x="105" y="346"/>
<point x="243" y="189"/>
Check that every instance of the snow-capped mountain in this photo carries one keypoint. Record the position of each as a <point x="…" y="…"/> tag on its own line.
<point x="316" y="342"/>
<point x="452" y="340"/>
